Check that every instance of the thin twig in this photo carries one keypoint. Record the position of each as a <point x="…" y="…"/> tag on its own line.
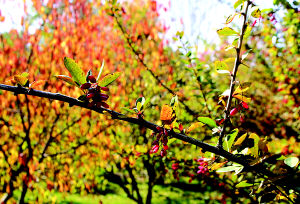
<point x="233" y="77"/>
<point x="137" y="54"/>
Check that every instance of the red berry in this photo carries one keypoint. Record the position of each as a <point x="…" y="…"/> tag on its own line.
<point x="85" y="86"/>
<point x="163" y="153"/>
<point x="245" y="105"/>
<point x="104" y="88"/>
<point x="90" y="95"/>
<point x="104" y="97"/>
<point x="92" y="79"/>
<point x="233" y="111"/>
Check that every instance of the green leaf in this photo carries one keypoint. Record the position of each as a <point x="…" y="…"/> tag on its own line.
<point x="235" y="42"/>
<point x="223" y="72"/>
<point x="75" y="70"/>
<point x="129" y="110"/>
<point x="227" y="31"/>
<point x="230" y="139"/>
<point x="254" y="149"/>
<point x="180" y="34"/>
<point x="89" y="73"/>
<point x="230" y="18"/>
<point x="291" y="161"/>
<point x="237" y="3"/>
<point x="67" y="79"/>
<point x="247" y="32"/>
<point x="100" y="71"/>
<point x="256" y="13"/>
<point x="108" y="79"/>
<point x="208" y="121"/>
<point x="140" y="100"/>
<point x="246" y="54"/>
<point x="220" y="65"/>
<point x="139" y="106"/>
<point x="243" y="184"/>
<point x="228" y="169"/>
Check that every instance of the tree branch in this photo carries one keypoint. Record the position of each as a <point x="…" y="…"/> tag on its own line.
<point x="118" y="116"/>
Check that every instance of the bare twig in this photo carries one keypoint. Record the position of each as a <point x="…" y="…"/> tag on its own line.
<point x="137" y="54"/>
<point x="233" y="76"/>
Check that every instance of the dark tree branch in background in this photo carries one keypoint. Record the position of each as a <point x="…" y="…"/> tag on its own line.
<point x="233" y="76"/>
<point x="137" y="54"/>
<point x="118" y="116"/>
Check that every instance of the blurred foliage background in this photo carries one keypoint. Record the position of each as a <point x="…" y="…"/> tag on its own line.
<point x="76" y="155"/>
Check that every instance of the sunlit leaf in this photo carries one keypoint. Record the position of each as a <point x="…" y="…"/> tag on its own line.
<point x="291" y="161"/>
<point x="247" y="32"/>
<point x="67" y="79"/>
<point x="229" y="139"/>
<point x="256" y="13"/>
<point x="108" y="79"/>
<point x="254" y="149"/>
<point x="243" y="184"/>
<point x="140" y="100"/>
<point x="237" y="3"/>
<point x="220" y="65"/>
<point x="129" y="110"/>
<point x="242" y="98"/>
<point x="21" y="79"/>
<point x="167" y="114"/>
<point x="100" y="71"/>
<point x="230" y="18"/>
<point x="75" y="71"/>
<point x="228" y="169"/>
<point x="242" y="88"/>
<point x="194" y="126"/>
<point x="208" y="121"/>
<point x="241" y="139"/>
<point x="223" y="72"/>
<point x="246" y="54"/>
<point x="37" y="83"/>
<point x="227" y="31"/>
<point x="216" y="166"/>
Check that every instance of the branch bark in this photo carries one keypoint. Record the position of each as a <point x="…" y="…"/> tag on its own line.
<point x="118" y="116"/>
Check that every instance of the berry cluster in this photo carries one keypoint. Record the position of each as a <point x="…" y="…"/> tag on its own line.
<point x="93" y="93"/>
<point x="202" y="167"/>
<point x="161" y="137"/>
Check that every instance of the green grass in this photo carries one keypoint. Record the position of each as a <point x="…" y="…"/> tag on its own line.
<point x="161" y="195"/>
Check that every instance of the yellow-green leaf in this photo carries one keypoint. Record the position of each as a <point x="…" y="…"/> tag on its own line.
<point x="242" y="98"/>
<point x="208" y="121"/>
<point x="241" y="139"/>
<point x="216" y="166"/>
<point x="230" y="18"/>
<point x="254" y="149"/>
<point x="67" y="79"/>
<point x="243" y="184"/>
<point x="108" y="79"/>
<point x="227" y="31"/>
<point x="21" y="79"/>
<point x="76" y="72"/>
<point x="256" y="13"/>
<point x="237" y="3"/>
<point x="220" y="65"/>
<point x="194" y="126"/>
